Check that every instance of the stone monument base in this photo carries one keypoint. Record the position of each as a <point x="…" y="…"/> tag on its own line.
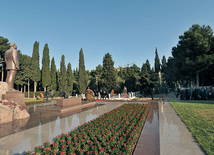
<point x="73" y="104"/>
<point x="68" y="102"/>
<point x="15" y="96"/>
<point x="67" y="109"/>
<point x="3" y="88"/>
<point x="124" y="95"/>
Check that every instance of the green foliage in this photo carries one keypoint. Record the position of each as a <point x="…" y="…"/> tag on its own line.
<point x="148" y="66"/>
<point x="157" y="62"/>
<point x="20" y="76"/>
<point x="75" y="81"/>
<point x="170" y="72"/>
<point x="25" y="67"/>
<point x="193" y="52"/>
<point x="95" y="78"/>
<point x="163" y="66"/>
<point x="145" y="80"/>
<point x="131" y="77"/>
<point x="46" y="76"/>
<point x="53" y="75"/>
<point x="82" y="77"/>
<point x="70" y="78"/>
<point x="24" y="74"/>
<point x="36" y="73"/>
<point x="198" y="117"/>
<point x="62" y="75"/>
<point x="109" y="73"/>
<point x="4" y="46"/>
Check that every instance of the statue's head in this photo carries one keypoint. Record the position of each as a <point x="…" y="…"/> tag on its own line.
<point x="13" y="45"/>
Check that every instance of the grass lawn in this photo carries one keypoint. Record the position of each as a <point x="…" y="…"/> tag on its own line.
<point x="198" y="116"/>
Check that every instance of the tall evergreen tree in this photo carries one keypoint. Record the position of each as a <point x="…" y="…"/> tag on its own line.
<point x="170" y="72"/>
<point x="4" y="46"/>
<point x="57" y="79"/>
<point x="109" y="74"/>
<point x="163" y="63"/>
<point x="82" y="78"/>
<point x="35" y="69"/>
<point x="75" y="81"/>
<point x="20" y="81"/>
<point x="53" y="75"/>
<point x="26" y="70"/>
<point x="193" y="53"/>
<point x="157" y="62"/>
<point x="145" y="80"/>
<point x="70" y="78"/>
<point x="46" y="76"/>
<point x="148" y="66"/>
<point x="62" y="75"/>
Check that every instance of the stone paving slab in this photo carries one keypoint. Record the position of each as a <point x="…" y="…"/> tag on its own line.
<point x="149" y="143"/>
<point x="175" y="137"/>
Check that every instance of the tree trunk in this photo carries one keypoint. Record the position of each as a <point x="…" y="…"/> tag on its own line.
<point x="28" y="84"/>
<point x="197" y="79"/>
<point x="21" y="89"/>
<point x="24" y="89"/>
<point x="35" y="85"/>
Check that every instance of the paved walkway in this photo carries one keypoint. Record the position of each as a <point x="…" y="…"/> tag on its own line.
<point x="175" y="137"/>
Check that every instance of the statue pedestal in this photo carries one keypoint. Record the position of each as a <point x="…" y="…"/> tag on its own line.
<point x="15" y="96"/>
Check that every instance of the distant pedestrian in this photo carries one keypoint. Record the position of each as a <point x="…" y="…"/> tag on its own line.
<point x="47" y="94"/>
<point x="152" y="93"/>
<point x="65" y="95"/>
<point x="52" y="94"/>
<point x="60" y="93"/>
<point x="101" y="94"/>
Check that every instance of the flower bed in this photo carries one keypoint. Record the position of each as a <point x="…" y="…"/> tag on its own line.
<point x="100" y="100"/>
<point x="36" y="102"/>
<point x="115" y="132"/>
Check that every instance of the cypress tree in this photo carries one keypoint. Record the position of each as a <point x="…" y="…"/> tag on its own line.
<point x="62" y="74"/>
<point x="145" y="80"/>
<point x="26" y="70"/>
<point x="19" y="81"/>
<point x="35" y="69"/>
<point x="53" y="75"/>
<point x="82" y="78"/>
<point x="163" y="66"/>
<point x="57" y="79"/>
<point x="157" y="62"/>
<point x="46" y="77"/>
<point x="109" y="74"/>
<point x="4" y="46"/>
<point x="70" y="77"/>
<point x="148" y="66"/>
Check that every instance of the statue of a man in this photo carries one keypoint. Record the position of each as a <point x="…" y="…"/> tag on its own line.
<point x="12" y="62"/>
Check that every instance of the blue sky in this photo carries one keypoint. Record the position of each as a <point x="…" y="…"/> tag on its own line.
<point x="128" y="30"/>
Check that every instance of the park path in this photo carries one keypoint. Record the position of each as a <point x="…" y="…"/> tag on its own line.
<point x="175" y="137"/>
